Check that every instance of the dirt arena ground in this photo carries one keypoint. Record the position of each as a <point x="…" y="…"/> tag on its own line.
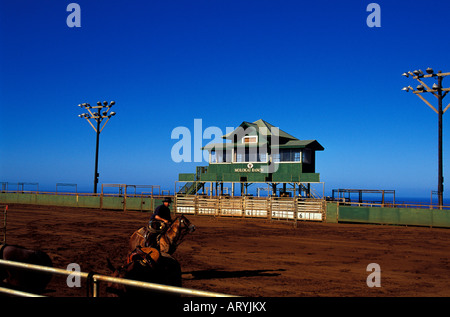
<point x="248" y="257"/>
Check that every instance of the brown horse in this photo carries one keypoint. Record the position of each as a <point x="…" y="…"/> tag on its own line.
<point x="146" y="265"/>
<point x="169" y="240"/>
<point x="24" y="280"/>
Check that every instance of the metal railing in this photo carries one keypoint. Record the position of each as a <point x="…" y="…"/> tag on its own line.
<point x="397" y="204"/>
<point x="97" y="278"/>
<point x="272" y="208"/>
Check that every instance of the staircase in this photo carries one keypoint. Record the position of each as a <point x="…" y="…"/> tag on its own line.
<point x="310" y="192"/>
<point x="191" y="188"/>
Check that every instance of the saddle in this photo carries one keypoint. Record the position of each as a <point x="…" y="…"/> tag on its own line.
<point x="145" y="255"/>
<point x="153" y="232"/>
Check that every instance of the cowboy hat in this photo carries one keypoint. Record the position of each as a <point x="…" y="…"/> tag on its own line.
<point x="168" y="200"/>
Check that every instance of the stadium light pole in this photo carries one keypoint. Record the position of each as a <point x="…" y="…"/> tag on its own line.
<point x="439" y="92"/>
<point x="98" y="116"/>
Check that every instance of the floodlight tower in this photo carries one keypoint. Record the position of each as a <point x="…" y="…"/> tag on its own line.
<point x="98" y="116"/>
<point x="439" y="92"/>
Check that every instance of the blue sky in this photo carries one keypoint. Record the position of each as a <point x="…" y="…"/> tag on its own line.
<point x="313" y="68"/>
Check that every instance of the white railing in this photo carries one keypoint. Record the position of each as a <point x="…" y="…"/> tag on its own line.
<point x="276" y="208"/>
<point x="97" y="278"/>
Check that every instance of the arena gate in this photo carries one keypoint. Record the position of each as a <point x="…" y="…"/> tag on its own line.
<point x="273" y="208"/>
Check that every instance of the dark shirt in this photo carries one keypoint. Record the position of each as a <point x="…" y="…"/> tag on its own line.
<point x="163" y="212"/>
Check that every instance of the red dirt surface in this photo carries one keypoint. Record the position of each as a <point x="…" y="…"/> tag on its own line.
<point x="247" y="257"/>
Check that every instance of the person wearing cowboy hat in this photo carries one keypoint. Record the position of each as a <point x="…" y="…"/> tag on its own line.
<point x="162" y="212"/>
<point x="158" y="224"/>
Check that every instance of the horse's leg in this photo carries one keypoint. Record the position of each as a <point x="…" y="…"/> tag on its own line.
<point x="171" y="268"/>
<point x="164" y="244"/>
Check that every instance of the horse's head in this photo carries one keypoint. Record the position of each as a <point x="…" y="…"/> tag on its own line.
<point x="185" y="224"/>
<point x="179" y="228"/>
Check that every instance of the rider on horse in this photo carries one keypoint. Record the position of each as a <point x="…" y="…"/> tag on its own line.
<point x="159" y="221"/>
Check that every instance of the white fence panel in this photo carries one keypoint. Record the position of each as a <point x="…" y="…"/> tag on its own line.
<point x="283" y="209"/>
<point x="207" y="206"/>
<point x="258" y="208"/>
<point x="311" y="209"/>
<point x="230" y="206"/>
<point x="185" y="204"/>
<point x="253" y="207"/>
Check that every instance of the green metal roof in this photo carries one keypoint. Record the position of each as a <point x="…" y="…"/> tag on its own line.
<point x="311" y="144"/>
<point x="263" y="129"/>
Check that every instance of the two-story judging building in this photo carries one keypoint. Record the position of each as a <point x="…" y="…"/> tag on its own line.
<point x="256" y="152"/>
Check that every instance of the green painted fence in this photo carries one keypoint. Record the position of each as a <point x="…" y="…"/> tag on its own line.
<point x="388" y="215"/>
<point x="335" y="212"/>
<point x="138" y="203"/>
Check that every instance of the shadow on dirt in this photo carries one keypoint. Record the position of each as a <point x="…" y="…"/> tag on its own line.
<point x="212" y="274"/>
